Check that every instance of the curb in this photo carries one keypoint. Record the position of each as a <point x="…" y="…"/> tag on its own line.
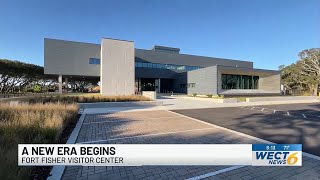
<point x="57" y="171"/>
<point x="121" y="104"/>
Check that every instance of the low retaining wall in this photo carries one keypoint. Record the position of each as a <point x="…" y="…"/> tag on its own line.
<point x="227" y="100"/>
<point x="150" y="94"/>
<point x="282" y="98"/>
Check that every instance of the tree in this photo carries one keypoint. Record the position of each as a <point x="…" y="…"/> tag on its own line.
<point x="304" y="74"/>
<point x="310" y="68"/>
<point x="15" y="75"/>
<point x="290" y="77"/>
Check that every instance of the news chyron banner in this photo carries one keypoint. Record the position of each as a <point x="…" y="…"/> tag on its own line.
<point x="159" y="154"/>
<point x="276" y="154"/>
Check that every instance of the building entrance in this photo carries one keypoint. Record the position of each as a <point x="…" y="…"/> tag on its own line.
<point x="154" y="84"/>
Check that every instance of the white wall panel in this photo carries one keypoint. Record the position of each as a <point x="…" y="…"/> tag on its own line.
<point x="117" y="67"/>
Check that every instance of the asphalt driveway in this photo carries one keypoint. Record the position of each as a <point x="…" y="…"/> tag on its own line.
<point x="288" y="123"/>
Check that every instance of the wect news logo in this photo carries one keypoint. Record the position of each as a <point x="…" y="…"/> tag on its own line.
<point x="276" y="154"/>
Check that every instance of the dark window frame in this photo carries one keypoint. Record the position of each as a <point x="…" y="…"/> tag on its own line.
<point x="235" y="81"/>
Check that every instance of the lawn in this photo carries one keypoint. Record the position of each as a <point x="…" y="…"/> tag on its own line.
<point x="25" y="123"/>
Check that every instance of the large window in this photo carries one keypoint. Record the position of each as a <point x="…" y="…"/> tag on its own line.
<point x="166" y="66"/>
<point x="94" y="61"/>
<point x="232" y="81"/>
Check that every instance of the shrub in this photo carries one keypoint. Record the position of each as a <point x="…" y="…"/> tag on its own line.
<point x="209" y="95"/>
<point x="242" y="99"/>
<point x="194" y="94"/>
<point x="86" y="99"/>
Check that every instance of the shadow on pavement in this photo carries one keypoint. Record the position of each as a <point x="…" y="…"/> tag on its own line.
<point x="274" y="127"/>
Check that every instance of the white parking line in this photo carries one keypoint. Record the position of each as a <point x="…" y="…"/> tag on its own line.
<point x="242" y="134"/>
<point x="145" y="135"/>
<point x="215" y="172"/>
<point x="288" y="113"/>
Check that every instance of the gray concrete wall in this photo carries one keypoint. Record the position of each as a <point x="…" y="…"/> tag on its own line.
<point x="150" y="94"/>
<point x="117" y="67"/>
<point x="269" y="81"/>
<point x="70" y="58"/>
<point x="205" y="80"/>
<point x="142" y="55"/>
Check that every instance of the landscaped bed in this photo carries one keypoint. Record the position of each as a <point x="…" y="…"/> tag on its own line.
<point x="41" y="120"/>
<point x="32" y="123"/>
<point x="83" y="98"/>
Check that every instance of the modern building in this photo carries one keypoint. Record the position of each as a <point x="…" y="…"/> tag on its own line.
<point x="124" y="69"/>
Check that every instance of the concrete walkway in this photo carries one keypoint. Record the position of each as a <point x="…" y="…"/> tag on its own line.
<point x="173" y="103"/>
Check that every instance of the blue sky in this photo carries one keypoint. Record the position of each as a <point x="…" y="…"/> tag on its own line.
<point x="267" y="32"/>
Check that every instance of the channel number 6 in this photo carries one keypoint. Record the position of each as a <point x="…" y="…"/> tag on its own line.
<point x="292" y="159"/>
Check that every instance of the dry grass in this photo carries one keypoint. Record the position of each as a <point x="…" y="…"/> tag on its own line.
<point x="24" y="123"/>
<point x="40" y="120"/>
<point x="87" y="98"/>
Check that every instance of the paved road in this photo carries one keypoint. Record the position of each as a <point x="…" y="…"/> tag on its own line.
<point x="288" y="123"/>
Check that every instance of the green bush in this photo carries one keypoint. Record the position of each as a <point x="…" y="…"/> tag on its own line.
<point x="242" y="99"/>
<point x="209" y="95"/>
<point x="218" y="96"/>
<point x="194" y="94"/>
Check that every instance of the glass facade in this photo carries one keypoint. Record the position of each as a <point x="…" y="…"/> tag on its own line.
<point x="189" y="85"/>
<point x="166" y="66"/>
<point x="232" y="81"/>
<point x="154" y="65"/>
<point x="154" y="84"/>
<point x="94" y="61"/>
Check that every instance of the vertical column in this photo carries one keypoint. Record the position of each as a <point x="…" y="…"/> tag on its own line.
<point x="156" y="84"/>
<point x="60" y="84"/>
<point x="159" y="86"/>
<point x="117" y="67"/>
<point x="66" y="84"/>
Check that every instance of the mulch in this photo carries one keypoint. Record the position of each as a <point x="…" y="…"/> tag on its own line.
<point x="42" y="172"/>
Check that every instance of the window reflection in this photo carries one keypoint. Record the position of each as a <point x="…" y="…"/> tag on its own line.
<point x="94" y="61"/>
<point x="166" y="66"/>
<point x="232" y="81"/>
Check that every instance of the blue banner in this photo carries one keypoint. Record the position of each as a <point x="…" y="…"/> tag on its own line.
<point x="276" y="147"/>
